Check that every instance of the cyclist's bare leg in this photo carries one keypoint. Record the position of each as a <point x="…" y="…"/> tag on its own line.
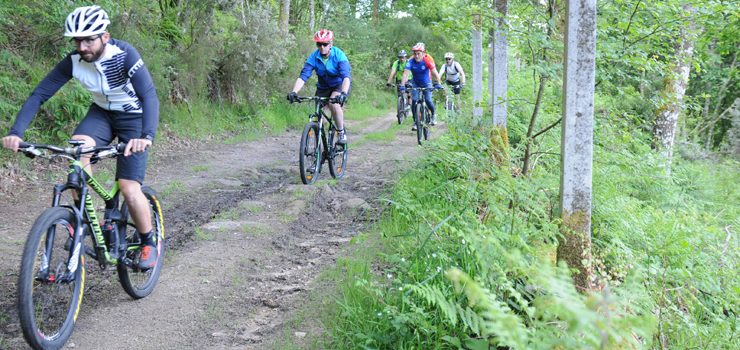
<point x="138" y="205"/>
<point x="337" y="112"/>
<point x="89" y="142"/>
<point x="85" y="159"/>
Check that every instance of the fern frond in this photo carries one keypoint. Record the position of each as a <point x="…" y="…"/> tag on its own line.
<point x="495" y="319"/>
<point x="436" y="297"/>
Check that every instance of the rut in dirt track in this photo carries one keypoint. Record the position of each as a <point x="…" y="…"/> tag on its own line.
<point x="245" y="242"/>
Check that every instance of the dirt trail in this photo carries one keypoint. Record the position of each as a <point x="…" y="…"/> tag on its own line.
<point x="245" y="240"/>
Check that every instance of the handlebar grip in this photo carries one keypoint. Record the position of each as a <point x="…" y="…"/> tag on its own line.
<point x="24" y="144"/>
<point x="121" y="147"/>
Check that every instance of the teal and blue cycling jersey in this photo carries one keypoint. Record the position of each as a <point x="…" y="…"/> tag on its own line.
<point x="330" y="71"/>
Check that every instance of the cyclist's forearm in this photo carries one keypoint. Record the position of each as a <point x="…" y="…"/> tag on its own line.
<point x="390" y="76"/>
<point x="345" y="85"/>
<point x="298" y="85"/>
<point x="437" y="77"/>
<point x="405" y="77"/>
<point x="53" y="81"/>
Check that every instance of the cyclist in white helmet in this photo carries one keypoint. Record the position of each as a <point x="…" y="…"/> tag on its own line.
<point x="453" y="72"/>
<point x="125" y="105"/>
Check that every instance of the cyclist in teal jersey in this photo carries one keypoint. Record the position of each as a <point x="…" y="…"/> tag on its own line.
<point x="333" y="71"/>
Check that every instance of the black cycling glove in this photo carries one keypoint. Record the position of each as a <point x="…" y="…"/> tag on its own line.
<point x="341" y="98"/>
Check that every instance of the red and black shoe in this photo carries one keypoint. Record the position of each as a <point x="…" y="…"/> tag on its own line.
<point x="149" y="253"/>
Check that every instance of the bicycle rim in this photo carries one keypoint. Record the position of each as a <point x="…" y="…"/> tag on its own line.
<point x="309" y="154"/>
<point x="136" y="282"/>
<point x="419" y="123"/>
<point x="47" y="305"/>
<point x="338" y="155"/>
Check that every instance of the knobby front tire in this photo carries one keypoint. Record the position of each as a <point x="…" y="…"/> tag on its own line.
<point x="47" y="306"/>
<point x="338" y="155"/>
<point x="420" y="109"/>
<point x="309" y="153"/>
<point x="136" y="282"/>
<point x="401" y="109"/>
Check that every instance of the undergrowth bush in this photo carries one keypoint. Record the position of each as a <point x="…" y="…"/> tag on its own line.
<point x="470" y="257"/>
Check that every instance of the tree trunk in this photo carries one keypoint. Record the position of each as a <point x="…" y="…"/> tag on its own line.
<point x="498" y="83"/>
<point x="577" y="140"/>
<point x="532" y="122"/>
<point x="376" y="11"/>
<point x="477" y="67"/>
<point x="540" y="92"/>
<point x="732" y="147"/>
<point x="283" y="19"/>
<point x="500" y="63"/>
<point x="311" y="15"/>
<point x="666" y="122"/>
<point x="353" y="8"/>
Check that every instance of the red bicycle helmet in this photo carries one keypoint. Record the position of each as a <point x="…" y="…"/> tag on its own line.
<point x="419" y="47"/>
<point x="323" y="36"/>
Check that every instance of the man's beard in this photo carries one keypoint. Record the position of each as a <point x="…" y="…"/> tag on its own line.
<point x="92" y="56"/>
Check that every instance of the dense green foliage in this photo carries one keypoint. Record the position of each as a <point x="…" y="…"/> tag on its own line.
<point x="469" y="251"/>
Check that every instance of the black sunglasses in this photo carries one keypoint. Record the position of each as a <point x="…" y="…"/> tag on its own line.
<point x="322" y="44"/>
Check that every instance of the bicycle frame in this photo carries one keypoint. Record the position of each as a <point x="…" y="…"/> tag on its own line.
<point x="422" y="100"/>
<point x="80" y="181"/>
<point x="319" y="114"/>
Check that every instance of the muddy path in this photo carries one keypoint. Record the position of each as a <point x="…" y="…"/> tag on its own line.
<point x="245" y="241"/>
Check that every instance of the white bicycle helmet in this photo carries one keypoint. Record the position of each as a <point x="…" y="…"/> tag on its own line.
<point x="86" y="21"/>
<point x="450" y="55"/>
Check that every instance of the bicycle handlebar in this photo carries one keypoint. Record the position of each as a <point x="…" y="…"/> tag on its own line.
<point x="423" y="88"/>
<point x="32" y="150"/>
<point x="317" y="98"/>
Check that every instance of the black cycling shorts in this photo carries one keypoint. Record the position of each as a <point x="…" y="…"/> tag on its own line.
<point x="455" y="86"/>
<point x="327" y="92"/>
<point x="103" y="126"/>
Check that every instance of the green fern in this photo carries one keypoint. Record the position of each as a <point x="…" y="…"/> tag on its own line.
<point x="484" y="312"/>
<point x="436" y="297"/>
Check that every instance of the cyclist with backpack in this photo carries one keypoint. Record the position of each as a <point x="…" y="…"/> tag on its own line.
<point x="453" y="72"/>
<point x="397" y="71"/>
<point x="423" y="69"/>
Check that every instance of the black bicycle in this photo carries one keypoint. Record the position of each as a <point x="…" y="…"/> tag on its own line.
<point x="402" y="107"/>
<point x="316" y="146"/>
<point x="422" y="116"/>
<point x="52" y="274"/>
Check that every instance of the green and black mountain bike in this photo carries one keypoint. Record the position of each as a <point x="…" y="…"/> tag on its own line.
<point x="52" y="273"/>
<point x="316" y="146"/>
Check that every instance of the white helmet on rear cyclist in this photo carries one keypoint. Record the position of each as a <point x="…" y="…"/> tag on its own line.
<point x="86" y="21"/>
<point x="450" y="55"/>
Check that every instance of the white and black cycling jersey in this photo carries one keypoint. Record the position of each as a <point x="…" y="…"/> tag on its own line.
<point x="452" y="71"/>
<point x="118" y="81"/>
